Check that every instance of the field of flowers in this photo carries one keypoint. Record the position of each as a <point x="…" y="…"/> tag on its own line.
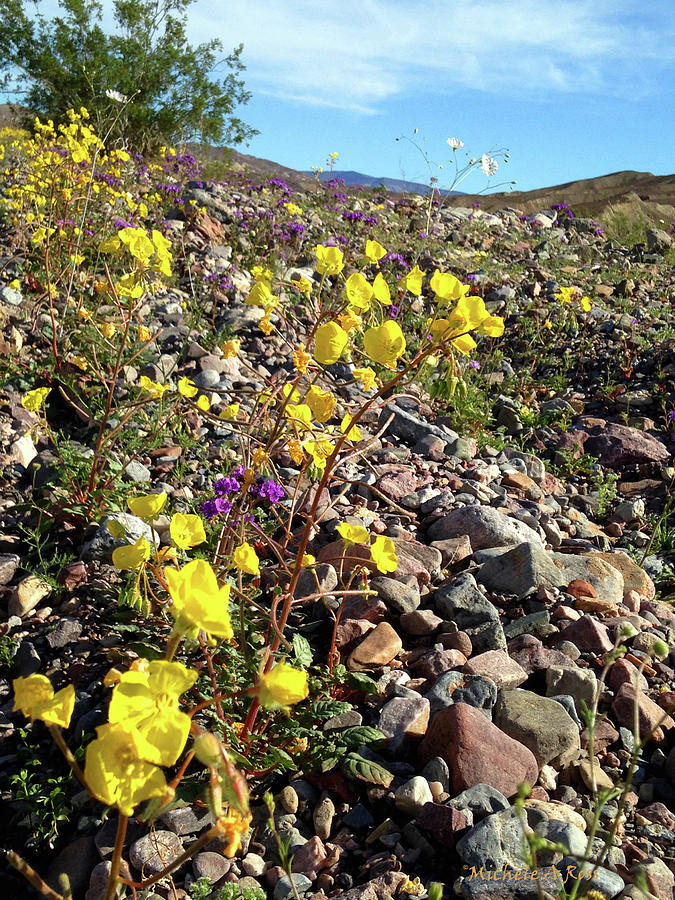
<point x="266" y="459"/>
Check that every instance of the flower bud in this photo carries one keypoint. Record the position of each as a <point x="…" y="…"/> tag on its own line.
<point x="207" y="749"/>
<point x="660" y="650"/>
<point x="628" y="631"/>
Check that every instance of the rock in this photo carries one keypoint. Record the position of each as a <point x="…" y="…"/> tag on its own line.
<point x="461" y="602"/>
<point x="321" y="578"/>
<point x="137" y="472"/>
<point x="23" y="451"/>
<point x="540" y="724"/>
<point x="384" y="887"/>
<point x="66" y="631"/>
<point x="310" y="858"/>
<point x="100" y="547"/>
<point x="480" y="800"/>
<point x="529" y="652"/>
<point x="527" y="567"/>
<point x="649" y="712"/>
<point x="484" y="526"/>
<point x="283" y="889"/>
<point x="416" y="559"/>
<point x="421" y="622"/>
<point x="496" y="842"/>
<point x="288" y="799"/>
<point x="324" y="813"/>
<point x="441" y="821"/>
<point x="453" y="550"/>
<point x="397" y="483"/>
<point x="658" y="240"/>
<point x="9" y="563"/>
<point x="498" y="666"/>
<point x="558" y="811"/>
<point x="411" y="796"/>
<point x="27" y="595"/>
<point x="401" y="594"/>
<point x="477" y="752"/>
<point x="153" y="852"/>
<point x="410" y="427"/>
<point x="660" y="879"/>
<point x="404" y="721"/>
<point x="634" y="577"/>
<point x="76" y="861"/>
<point x="619" y="446"/>
<point x="186" y="819"/>
<point x="580" y="684"/>
<point x="436" y="662"/>
<point x="607" y="882"/>
<point x="254" y="865"/>
<point x="208" y="864"/>
<point x="455" y="687"/>
<point x="589" y="634"/>
<point x="98" y="882"/>
<point x="378" y="648"/>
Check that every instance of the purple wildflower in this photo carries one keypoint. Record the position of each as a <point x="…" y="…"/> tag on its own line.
<point x="474" y="364"/>
<point x="271" y="490"/>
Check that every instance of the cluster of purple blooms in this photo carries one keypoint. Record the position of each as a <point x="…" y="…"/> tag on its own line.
<point x="359" y="217"/>
<point x="221" y="505"/>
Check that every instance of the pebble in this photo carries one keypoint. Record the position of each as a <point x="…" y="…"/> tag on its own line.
<point x="153" y="852"/>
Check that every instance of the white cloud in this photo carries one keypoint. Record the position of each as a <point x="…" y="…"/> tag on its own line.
<point x="357" y="54"/>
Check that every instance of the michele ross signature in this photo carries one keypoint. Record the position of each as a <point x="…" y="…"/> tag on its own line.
<point x="569" y="873"/>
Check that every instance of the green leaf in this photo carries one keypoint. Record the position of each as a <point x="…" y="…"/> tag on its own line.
<point x="329" y="763"/>
<point x="302" y="650"/>
<point x="146" y="651"/>
<point x="325" y="709"/>
<point x="361" y="734"/>
<point x="366" y="770"/>
<point x="361" y="682"/>
<point x="278" y="757"/>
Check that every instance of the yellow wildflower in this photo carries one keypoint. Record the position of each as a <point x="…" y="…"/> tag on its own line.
<point x="383" y="553"/>
<point x="187" y="387"/>
<point x="132" y="556"/>
<point x="187" y="531"/>
<point x="381" y="290"/>
<point x="374" y="251"/>
<point x="322" y="403"/>
<point x="353" y="432"/>
<point x="36" y="699"/>
<point x="353" y="534"/>
<point x="413" y="281"/>
<point x="230" y="413"/>
<point x="246" y="559"/>
<point x="329" y="342"/>
<point x="329" y="260"/>
<point x="147" y="506"/>
<point x="203" y="403"/>
<point x="265" y="325"/>
<point x="385" y="344"/>
<point x="282" y="686"/>
<point x="230" y="348"/>
<point x="153" y="388"/>
<point x="301" y="359"/>
<point x="35" y="399"/>
<point x="198" y="602"/>
<point x="358" y="291"/>
<point x="366" y="377"/>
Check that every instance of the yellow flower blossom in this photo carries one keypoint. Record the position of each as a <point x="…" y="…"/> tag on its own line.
<point x="447" y="288"/>
<point x="282" y="686"/>
<point x="294" y="448"/>
<point x="246" y="559"/>
<point x="154" y="388"/>
<point x="116" y="772"/>
<point x="385" y="344"/>
<point x="198" y="602"/>
<point x="329" y="260"/>
<point x="265" y="325"/>
<point x="260" y="459"/>
<point x="231" y="348"/>
<point x="366" y="377"/>
<point x="132" y="556"/>
<point x="322" y="403"/>
<point x="35" y="399"/>
<point x="79" y="361"/>
<point x="383" y="554"/>
<point x="381" y="290"/>
<point x="203" y="403"/>
<point x="187" y="387"/>
<point x="108" y="330"/>
<point x="147" y="506"/>
<point x="353" y="432"/>
<point x="301" y="359"/>
<point x="230" y="413"/>
<point x="300" y="415"/>
<point x="374" y="251"/>
<point x="349" y="321"/>
<point x="143" y="334"/>
<point x="353" y="534"/>
<point x="358" y="291"/>
<point x="187" y="531"/>
<point x="329" y="342"/>
<point x="413" y="281"/>
<point x="304" y="285"/>
<point x="36" y="699"/>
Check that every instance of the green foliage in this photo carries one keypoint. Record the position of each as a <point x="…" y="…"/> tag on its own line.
<point x="69" y="61"/>
<point x="605" y="485"/>
<point x="8" y="648"/>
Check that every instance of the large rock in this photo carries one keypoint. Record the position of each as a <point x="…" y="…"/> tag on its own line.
<point x="634" y="577"/>
<point x="619" y="446"/>
<point x="477" y="752"/>
<point x="461" y="602"/>
<point x="410" y="427"/>
<point x="539" y="723"/>
<point x="100" y="546"/>
<point x="456" y="687"/>
<point x="498" y="666"/>
<point x="651" y="718"/>
<point x="484" y="526"/>
<point x="416" y="559"/>
<point x="378" y="648"/>
<point x="580" y="684"/>
<point x="528" y="566"/>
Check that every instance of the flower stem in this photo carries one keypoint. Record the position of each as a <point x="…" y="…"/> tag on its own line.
<point x="111" y="889"/>
<point x="55" y="732"/>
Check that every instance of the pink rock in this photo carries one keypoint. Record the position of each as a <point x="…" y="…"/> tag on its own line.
<point x="650" y="713"/>
<point x="453" y="550"/>
<point x="397" y="483"/>
<point x="416" y="559"/>
<point x="346" y="558"/>
<point x="588" y="634"/>
<point x="310" y="858"/>
<point x="619" y="446"/>
<point x="624" y="672"/>
<point x="631" y="599"/>
<point x="349" y="631"/>
<point x="372" y="609"/>
<point x="660" y="610"/>
<point x="477" y="752"/>
<point x="498" y="666"/>
<point x="434" y="663"/>
<point x="404" y="720"/>
<point x="565" y="614"/>
<point x="378" y="648"/>
<point x="443" y="822"/>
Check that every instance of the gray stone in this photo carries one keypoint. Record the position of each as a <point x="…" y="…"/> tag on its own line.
<point x="456" y="687"/>
<point x="580" y="684"/>
<point x="9" y="562"/>
<point x="153" y="852"/>
<point x="321" y="578"/>
<point x="137" y="472"/>
<point x="564" y="833"/>
<point x="401" y="594"/>
<point x="11" y="296"/>
<point x="437" y="770"/>
<point x="481" y="800"/>
<point x="600" y="879"/>
<point x="420" y="622"/>
<point x="100" y="547"/>
<point x="404" y="720"/>
<point x="485" y="527"/>
<point x="210" y="865"/>
<point x="410" y="427"/>
<point x="495" y="842"/>
<point x="66" y="631"/>
<point x="283" y="889"/>
<point x="540" y="724"/>
<point x="461" y="602"/>
<point x="411" y="796"/>
<point x="185" y="820"/>
<point x="528" y="566"/>
<point x="498" y="666"/>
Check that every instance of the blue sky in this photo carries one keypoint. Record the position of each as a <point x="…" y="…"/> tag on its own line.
<point x="573" y="88"/>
